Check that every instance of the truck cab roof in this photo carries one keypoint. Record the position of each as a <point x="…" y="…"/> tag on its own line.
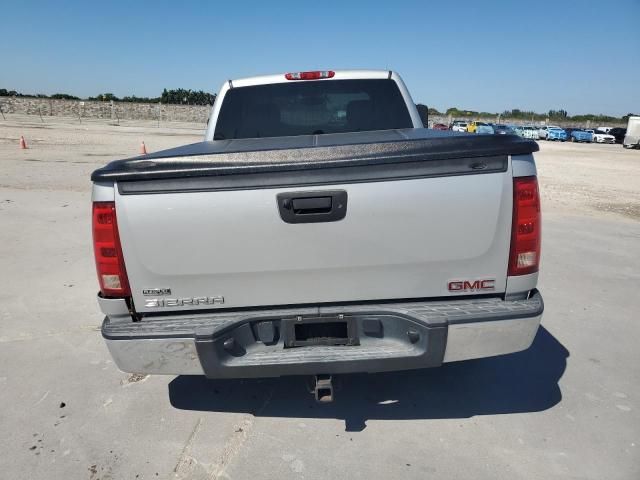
<point x="337" y="75"/>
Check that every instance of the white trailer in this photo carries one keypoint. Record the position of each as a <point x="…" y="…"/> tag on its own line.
<point x="632" y="137"/>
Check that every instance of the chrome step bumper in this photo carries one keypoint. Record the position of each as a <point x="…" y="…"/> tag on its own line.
<point x="391" y="336"/>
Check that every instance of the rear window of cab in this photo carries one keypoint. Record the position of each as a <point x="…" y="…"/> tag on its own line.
<point x="311" y="108"/>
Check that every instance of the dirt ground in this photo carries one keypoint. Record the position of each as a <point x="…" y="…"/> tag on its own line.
<point x="589" y="179"/>
<point x="569" y="407"/>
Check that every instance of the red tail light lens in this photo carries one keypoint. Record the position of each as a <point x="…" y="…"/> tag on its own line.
<point x="310" y="75"/>
<point x="524" y="257"/>
<point x="108" y="252"/>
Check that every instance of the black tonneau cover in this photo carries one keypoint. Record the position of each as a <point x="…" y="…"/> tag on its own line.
<point x="342" y="152"/>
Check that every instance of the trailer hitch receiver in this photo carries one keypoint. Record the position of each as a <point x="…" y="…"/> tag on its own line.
<point x="323" y="389"/>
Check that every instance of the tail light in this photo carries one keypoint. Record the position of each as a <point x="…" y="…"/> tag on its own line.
<point x="108" y="252"/>
<point x="310" y="75"/>
<point x="524" y="257"/>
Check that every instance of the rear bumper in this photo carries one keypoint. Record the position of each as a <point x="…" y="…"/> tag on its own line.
<point x="391" y="336"/>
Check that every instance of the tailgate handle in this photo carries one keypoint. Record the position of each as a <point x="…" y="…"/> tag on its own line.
<point x="312" y="207"/>
<point x="309" y="205"/>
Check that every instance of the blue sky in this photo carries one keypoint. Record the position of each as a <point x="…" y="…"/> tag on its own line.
<point x="583" y="56"/>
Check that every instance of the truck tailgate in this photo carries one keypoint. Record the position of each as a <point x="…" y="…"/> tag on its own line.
<point x="413" y="224"/>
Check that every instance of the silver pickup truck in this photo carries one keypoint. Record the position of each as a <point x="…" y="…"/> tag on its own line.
<point x="318" y="229"/>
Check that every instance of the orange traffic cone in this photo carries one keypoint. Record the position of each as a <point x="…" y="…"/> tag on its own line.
<point x="143" y="149"/>
<point x="23" y="144"/>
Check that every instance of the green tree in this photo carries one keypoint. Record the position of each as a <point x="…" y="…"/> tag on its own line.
<point x="105" y="97"/>
<point x="62" y="96"/>
<point x="558" y="114"/>
<point x="181" y="96"/>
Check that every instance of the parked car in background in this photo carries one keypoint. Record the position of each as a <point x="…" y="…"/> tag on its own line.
<point x="473" y="126"/>
<point x="484" y="129"/>
<point x="569" y="130"/>
<point x="556" y="133"/>
<point x="604" y="129"/>
<point x="632" y="138"/>
<point x="459" y="126"/>
<point x="579" y="135"/>
<point x="527" y="131"/>
<point x="533" y="132"/>
<point x="618" y="133"/>
<point x="543" y="131"/>
<point x="501" y="129"/>
<point x="601" y="137"/>
<point x="440" y="126"/>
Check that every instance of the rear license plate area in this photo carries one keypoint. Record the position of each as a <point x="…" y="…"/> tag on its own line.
<point x="304" y="332"/>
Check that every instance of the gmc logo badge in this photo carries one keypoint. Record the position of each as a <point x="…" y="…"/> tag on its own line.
<point x="459" y="286"/>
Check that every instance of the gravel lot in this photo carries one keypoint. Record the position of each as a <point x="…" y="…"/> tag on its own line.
<point x="569" y="407"/>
